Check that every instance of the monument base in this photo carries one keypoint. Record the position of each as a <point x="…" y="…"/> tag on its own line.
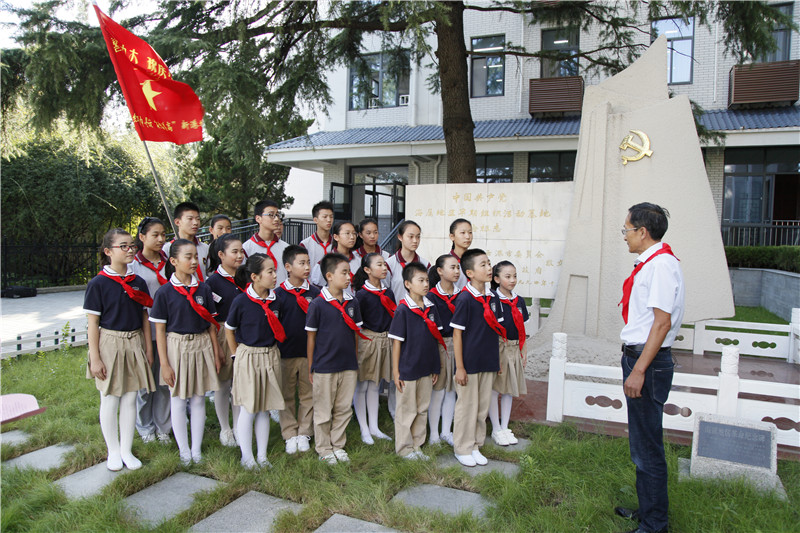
<point x="763" y="483"/>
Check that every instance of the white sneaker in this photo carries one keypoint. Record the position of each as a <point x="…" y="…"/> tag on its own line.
<point x="227" y="438"/>
<point x="249" y="464"/>
<point x="148" y="438"/>
<point x="499" y="438"/>
<point x="479" y="458"/>
<point x="413" y="456"/>
<point x="434" y="439"/>
<point x="114" y="462"/>
<point x="330" y="459"/>
<point x="422" y="457"/>
<point x="197" y="458"/>
<point x="366" y="438"/>
<point x="291" y="445"/>
<point x="186" y="459"/>
<point x="466" y="460"/>
<point x="380" y="435"/>
<point x="341" y="456"/>
<point x="447" y="437"/>
<point x="303" y="443"/>
<point x="510" y="436"/>
<point x="274" y="414"/>
<point x="164" y="438"/>
<point x="263" y="462"/>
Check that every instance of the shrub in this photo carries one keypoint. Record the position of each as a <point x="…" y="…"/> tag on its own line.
<point x="776" y="257"/>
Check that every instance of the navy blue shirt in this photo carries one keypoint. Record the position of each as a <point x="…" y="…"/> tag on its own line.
<point x="171" y="308"/>
<point x="335" y="347"/>
<point x="293" y="318"/>
<point x="508" y="320"/>
<point x="480" y="343"/>
<point x="225" y="290"/>
<point x="106" y="298"/>
<point x="443" y="311"/>
<point x="419" y="353"/>
<point x="248" y="320"/>
<point x="376" y="317"/>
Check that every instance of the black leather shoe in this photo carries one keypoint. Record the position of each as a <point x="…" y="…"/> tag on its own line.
<point x="640" y="530"/>
<point x="624" y="512"/>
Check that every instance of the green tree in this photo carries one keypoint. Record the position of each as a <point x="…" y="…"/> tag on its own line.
<point x="291" y="45"/>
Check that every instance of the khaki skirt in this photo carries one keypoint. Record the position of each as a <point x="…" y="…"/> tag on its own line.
<point x="447" y="360"/>
<point x="191" y="357"/>
<point x="226" y="372"/>
<point x="512" y="379"/>
<point x="257" y="378"/>
<point x="122" y="353"/>
<point x="375" y="357"/>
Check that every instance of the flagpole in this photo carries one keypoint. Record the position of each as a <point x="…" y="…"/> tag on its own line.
<point x="160" y="190"/>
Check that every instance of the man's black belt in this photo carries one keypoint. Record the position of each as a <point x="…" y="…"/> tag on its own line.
<point x="635" y="350"/>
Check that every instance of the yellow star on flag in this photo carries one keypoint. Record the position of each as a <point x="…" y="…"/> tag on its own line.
<point x="149" y="94"/>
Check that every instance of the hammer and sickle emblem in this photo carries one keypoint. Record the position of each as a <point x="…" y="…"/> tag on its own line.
<point x="643" y="149"/>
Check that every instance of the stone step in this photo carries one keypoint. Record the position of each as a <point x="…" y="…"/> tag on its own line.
<point x="340" y="523"/>
<point x="505" y="468"/>
<point x="448" y="501"/>
<point x="169" y="497"/>
<point x="252" y="512"/>
<point x="521" y="446"/>
<point x="13" y="438"/>
<point x="89" y="482"/>
<point x="43" y="459"/>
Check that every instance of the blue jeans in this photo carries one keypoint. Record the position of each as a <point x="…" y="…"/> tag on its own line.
<point x="646" y="439"/>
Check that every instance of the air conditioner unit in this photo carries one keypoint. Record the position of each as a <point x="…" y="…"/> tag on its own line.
<point x="404" y="99"/>
<point x="374" y="103"/>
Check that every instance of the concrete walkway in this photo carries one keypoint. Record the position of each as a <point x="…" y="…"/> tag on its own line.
<point x="43" y="314"/>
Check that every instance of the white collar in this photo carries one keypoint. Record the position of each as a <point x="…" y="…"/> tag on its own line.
<point x="111" y="272"/>
<point x="504" y="297"/>
<point x="222" y="272"/>
<point x="370" y="286"/>
<point x="413" y="305"/>
<point x="327" y="295"/>
<point x="175" y="281"/>
<point x="442" y="291"/>
<point x="288" y="286"/>
<point x="475" y="292"/>
<point x="649" y="252"/>
<point x="252" y="292"/>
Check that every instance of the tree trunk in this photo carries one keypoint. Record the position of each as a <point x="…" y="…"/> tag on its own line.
<point x="457" y="122"/>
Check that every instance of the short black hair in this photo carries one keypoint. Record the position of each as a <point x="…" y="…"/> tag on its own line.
<point x="292" y="251"/>
<point x="468" y="259"/>
<point x="217" y="218"/>
<point x="319" y="206"/>
<point x="263" y="204"/>
<point x="414" y="267"/>
<point x="182" y="207"/>
<point x="330" y="262"/>
<point x="650" y="216"/>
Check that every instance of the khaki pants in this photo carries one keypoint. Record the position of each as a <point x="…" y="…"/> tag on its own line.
<point x="411" y="416"/>
<point x="333" y="400"/>
<point x="294" y="421"/>
<point x="472" y="406"/>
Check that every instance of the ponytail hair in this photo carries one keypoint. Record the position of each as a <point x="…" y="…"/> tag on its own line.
<point x="496" y="272"/>
<point x="108" y="242"/>
<point x="255" y="264"/>
<point x="361" y="276"/>
<point x="219" y="245"/>
<point x="174" y="250"/>
<point x="144" y="227"/>
<point x="433" y="272"/>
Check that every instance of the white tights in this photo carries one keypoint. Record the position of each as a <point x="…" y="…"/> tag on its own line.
<point x="118" y="432"/>
<point x="197" y="406"/>
<point x="500" y="422"/>
<point x="222" y="402"/>
<point x="366" y="403"/>
<point x="244" y="432"/>
<point x="442" y="404"/>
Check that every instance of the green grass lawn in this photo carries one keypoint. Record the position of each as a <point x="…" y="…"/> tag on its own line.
<point x="570" y="480"/>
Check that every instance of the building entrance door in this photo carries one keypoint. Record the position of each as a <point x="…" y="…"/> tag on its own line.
<point x="379" y="192"/>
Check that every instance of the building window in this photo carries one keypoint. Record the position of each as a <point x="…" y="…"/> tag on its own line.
<point x="494" y="168"/>
<point x="783" y="39"/>
<point x="680" y="45"/>
<point x="488" y="72"/>
<point x="381" y="80"/>
<point x="566" y="42"/>
<point x="551" y="166"/>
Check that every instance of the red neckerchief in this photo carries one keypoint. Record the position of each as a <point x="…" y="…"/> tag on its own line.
<point x="363" y="253"/>
<point x="454" y="254"/>
<point x="298" y="294"/>
<point x="199" y="270"/>
<point x="256" y="238"/>
<point x="324" y="245"/>
<point x="446" y="298"/>
<point x="487" y="313"/>
<point x="137" y="296"/>
<point x="627" y="286"/>
<point x="149" y="264"/>
<point x="347" y="320"/>
<point x="516" y="315"/>
<point x="428" y="322"/>
<point x="386" y="302"/>
<point x="199" y="309"/>
<point x="274" y="323"/>
<point x="231" y="279"/>
<point x="399" y="257"/>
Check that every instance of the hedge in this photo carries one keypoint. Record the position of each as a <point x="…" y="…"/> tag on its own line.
<point x="776" y="257"/>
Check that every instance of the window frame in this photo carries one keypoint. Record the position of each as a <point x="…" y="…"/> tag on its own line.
<point x="671" y="51"/>
<point x="765" y="58"/>
<point x="352" y="75"/>
<point x="484" y="166"/>
<point x="559" y="176"/>
<point x="576" y="48"/>
<point x="473" y="58"/>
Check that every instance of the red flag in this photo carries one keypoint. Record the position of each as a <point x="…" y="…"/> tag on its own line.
<point x="162" y="109"/>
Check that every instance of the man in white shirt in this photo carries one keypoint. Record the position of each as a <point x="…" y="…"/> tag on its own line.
<point x="652" y="308"/>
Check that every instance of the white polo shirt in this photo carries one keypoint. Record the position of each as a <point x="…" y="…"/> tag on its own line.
<point x="659" y="284"/>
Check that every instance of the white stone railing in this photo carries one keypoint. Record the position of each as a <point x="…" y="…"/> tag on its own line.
<point x="771" y="402"/>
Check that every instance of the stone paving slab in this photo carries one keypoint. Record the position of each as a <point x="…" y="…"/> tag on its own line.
<point x="88" y="482"/>
<point x="13" y="438"/>
<point x="505" y="468"/>
<point x="169" y="497"/>
<point x="521" y="446"/>
<point x="448" y="501"/>
<point x="43" y="459"/>
<point x="252" y="512"/>
<point x="340" y="523"/>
